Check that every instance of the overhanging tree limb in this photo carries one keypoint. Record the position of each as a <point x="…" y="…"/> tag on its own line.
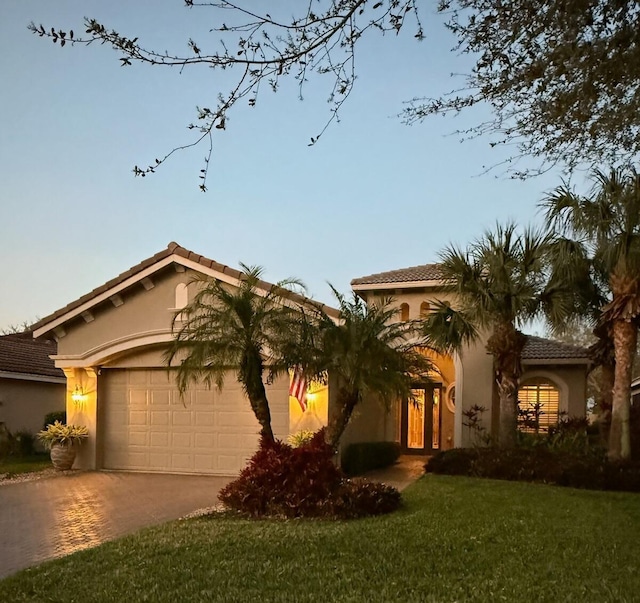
<point x="263" y="49"/>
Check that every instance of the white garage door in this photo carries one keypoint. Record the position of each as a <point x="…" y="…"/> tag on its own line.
<point x="146" y="426"/>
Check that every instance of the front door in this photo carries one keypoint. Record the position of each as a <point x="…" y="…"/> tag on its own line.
<point x="420" y="427"/>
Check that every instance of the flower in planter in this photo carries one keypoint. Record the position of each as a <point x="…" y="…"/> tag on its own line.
<point x="62" y="440"/>
<point x="64" y="435"/>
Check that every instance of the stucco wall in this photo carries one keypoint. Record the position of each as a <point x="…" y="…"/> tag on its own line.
<point x="25" y="403"/>
<point x="141" y="313"/>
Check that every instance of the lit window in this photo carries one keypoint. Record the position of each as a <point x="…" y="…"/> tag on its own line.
<point x="404" y="312"/>
<point x="424" y="309"/>
<point x="538" y="406"/>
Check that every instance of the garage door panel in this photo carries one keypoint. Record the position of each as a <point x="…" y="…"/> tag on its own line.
<point x="160" y="398"/>
<point x="147" y="426"/>
<point x="159" y="459"/>
<point x="138" y="397"/>
<point x="160" y="418"/>
<point x="205" y="419"/>
<point x="180" y="440"/>
<point x="205" y="441"/>
<point x="236" y="419"/>
<point x="138" y="417"/>
<point x="138" y="438"/>
<point x="180" y="418"/>
<point x="159" y="439"/>
<point x="204" y="397"/>
<point x="228" y="463"/>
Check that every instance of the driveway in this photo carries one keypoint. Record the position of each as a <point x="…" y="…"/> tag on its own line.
<point x="53" y="517"/>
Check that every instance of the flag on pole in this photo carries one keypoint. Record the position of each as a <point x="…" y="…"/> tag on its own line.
<point x="298" y="387"/>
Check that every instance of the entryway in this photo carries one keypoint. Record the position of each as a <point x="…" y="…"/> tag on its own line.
<point x="421" y="420"/>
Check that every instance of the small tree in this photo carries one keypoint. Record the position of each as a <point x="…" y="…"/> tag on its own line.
<point x="368" y="351"/>
<point x="242" y="329"/>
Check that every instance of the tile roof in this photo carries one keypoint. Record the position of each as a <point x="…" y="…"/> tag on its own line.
<point x="424" y="272"/>
<point x="172" y="249"/>
<point x="20" y="353"/>
<point x="539" y="348"/>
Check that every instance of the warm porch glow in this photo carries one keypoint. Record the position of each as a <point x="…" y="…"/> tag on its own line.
<point x="415" y="420"/>
<point x="435" y="431"/>
<point x="78" y="396"/>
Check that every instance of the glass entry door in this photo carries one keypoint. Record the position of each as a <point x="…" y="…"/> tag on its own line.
<point x="420" y="430"/>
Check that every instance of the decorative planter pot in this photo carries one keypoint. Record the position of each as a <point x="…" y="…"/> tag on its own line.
<point x="62" y="456"/>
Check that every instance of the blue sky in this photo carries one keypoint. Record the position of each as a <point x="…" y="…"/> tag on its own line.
<point x="372" y="195"/>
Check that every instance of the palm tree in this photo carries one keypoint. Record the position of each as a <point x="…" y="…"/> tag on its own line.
<point x="576" y="291"/>
<point x="243" y="329"/>
<point x="498" y="282"/>
<point x="608" y="220"/>
<point x="367" y="351"/>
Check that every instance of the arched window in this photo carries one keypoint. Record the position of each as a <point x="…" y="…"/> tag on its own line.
<point x="404" y="312"/>
<point x="538" y="405"/>
<point x="424" y="309"/>
<point x="182" y="296"/>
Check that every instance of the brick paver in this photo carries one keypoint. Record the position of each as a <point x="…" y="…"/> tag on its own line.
<point x="49" y="518"/>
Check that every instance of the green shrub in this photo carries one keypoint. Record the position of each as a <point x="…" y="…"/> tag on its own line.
<point x="282" y="481"/>
<point x="634" y="428"/>
<point x="24" y="444"/>
<point x="51" y="417"/>
<point x="539" y="464"/>
<point x="300" y="437"/>
<point x="6" y="441"/>
<point x="366" y="456"/>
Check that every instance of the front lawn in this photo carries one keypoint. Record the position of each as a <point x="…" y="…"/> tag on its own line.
<point x="11" y="466"/>
<point x="457" y="539"/>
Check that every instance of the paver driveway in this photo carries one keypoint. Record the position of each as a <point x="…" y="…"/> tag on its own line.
<point x="49" y="518"/>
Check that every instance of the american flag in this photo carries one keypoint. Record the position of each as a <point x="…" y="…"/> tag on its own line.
<point x="298" y="387"/>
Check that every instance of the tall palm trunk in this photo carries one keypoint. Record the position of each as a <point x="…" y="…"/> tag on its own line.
<point x="339" y="415"/>
<point x="506" y="344"/>
<point x="508" y="396"/>
<point x="607" y="381"/>
<point x="625" y="338"/>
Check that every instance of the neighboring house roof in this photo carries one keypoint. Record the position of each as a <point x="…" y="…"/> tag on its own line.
<point x="539" y="348"/>
<point x="23" y="357"/>
<point x="174" y="253"/>
<point x="425" y="273"/>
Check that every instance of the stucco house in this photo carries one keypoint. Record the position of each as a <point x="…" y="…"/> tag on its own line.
<point x="110" y="348"/>
<point x="30" y="384"/>
<point x="553" y="382"/>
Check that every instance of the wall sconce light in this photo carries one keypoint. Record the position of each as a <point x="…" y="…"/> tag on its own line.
<point x="78" y="396"/>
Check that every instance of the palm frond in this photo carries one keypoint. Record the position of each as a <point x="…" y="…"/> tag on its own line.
<point x="446" y="330"/>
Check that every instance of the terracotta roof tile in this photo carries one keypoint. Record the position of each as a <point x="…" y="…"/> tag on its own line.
<point x="424" y="272"/>
<point x="539" y="348"/>
<point x="20" y="353"/>
<point x="172" y="249"/>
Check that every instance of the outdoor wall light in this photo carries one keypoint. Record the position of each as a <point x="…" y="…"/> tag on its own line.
<point x="78" y="396"/>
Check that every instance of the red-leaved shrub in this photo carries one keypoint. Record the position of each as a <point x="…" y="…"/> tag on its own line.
<point x="282" y="481"/>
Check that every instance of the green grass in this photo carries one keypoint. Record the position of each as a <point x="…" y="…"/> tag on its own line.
<point x="456" y="539"/>
<point x="15" y="466"/>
